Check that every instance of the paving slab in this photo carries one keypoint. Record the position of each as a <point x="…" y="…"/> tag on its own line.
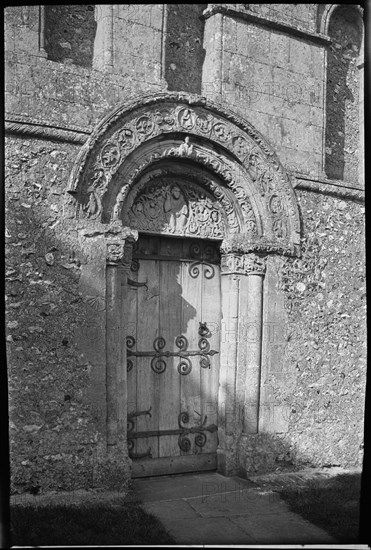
<point x="173" y="509"/>
<point x="238" y="503"/>
<point x="207" y="531"/>
<point x="153" y="489"/>
<point x="208" y="508"/>
<point x="288" y="528"/>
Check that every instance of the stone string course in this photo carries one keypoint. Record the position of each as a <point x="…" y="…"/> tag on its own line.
<point x="79" y="136"/>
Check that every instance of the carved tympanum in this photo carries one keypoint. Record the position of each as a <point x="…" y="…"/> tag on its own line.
<point x="172" y="208"/>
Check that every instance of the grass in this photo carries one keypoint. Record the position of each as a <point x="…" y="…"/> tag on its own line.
<point x="330" y="503"/>
<point x="93" y="523"/>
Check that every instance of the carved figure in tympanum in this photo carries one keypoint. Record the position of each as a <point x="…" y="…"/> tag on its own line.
<point x="172" y="208"/>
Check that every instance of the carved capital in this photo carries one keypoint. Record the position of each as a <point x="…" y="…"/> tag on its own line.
<point x="119" y="253"/>
<point x="243" y="264"/>
<point x="254" y="264"/>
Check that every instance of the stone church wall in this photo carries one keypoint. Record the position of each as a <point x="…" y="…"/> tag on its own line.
<point x="314" y="363"/>
<point x="52" y="429"/>
<point x="313" y="366"/>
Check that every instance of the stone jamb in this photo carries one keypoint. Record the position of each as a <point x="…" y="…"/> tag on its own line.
<point x="118" y="261"/>
<point x="240" y="352"/>
<point x="107" y="259"/>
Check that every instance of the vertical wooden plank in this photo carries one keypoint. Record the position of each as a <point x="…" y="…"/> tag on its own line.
<point x="148" y="381"/>
<point x="190" y="398"/>
<point x="129" y="323"/>
<point x="211" y="315"/>
<point x="170" y="316"/>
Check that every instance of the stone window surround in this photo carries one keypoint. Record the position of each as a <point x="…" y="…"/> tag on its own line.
<point x="324" y="26"/>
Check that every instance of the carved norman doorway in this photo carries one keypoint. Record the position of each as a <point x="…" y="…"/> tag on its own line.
<point x="176" y="166"/>
<point x="173" y="314"/>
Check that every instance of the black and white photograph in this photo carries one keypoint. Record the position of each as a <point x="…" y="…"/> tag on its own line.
<point x="185" y="357"/>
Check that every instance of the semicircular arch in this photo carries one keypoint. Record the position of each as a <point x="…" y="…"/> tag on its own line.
<point x="172" y="129"/>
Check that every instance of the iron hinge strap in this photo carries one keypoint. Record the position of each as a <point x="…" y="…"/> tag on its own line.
<point x="184" y="431"/>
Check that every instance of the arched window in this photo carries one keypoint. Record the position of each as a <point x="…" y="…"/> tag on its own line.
<point x="342" y="138"/>
<point x="70" y="33"/>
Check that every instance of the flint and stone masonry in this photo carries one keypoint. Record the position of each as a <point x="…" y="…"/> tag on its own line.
<point x="255" y="111"/>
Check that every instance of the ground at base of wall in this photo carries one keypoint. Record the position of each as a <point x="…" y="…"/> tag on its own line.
<point x="76" y="497"/>
<point x="83" y="518"/>
<point x="327" y="497"/>
<point x="299" y="478"/>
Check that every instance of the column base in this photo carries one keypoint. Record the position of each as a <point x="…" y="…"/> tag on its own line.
<point x="112" y="473"/>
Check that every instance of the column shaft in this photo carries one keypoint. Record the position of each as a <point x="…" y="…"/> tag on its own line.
<point x="254" y="341"/>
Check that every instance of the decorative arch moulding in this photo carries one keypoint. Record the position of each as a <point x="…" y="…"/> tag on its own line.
<point x="215" y="164"/>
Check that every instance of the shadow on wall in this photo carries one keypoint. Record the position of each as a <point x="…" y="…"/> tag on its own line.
<point x="184" y="54"/>
<point x="342" y="96"/>
<point x="265" y="453"/>
<point x="70" y="33"/>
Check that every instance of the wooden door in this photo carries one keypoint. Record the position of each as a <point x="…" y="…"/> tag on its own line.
<point x="173" y="331"/>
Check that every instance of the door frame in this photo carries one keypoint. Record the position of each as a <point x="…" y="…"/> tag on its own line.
<point x="226" y="155"/>
<point x="242" y="278"/>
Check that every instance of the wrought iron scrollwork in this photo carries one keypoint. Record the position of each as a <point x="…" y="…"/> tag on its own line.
<point x="158" y="363"/>
<point x="194" y="270"/>
<point x="130" y="343"/>
<point x="130" y="434"/>
<point x="135" y="268"/>
<point x="204" y="330"/>
<point x="136" y="284"/>
<point x="182" y="432"/>
<point x="200" y="439"/>
<point x="201" y="251"/>
<point x="203" y="254"/>
<point x="138" y="455"/>
<point x="135" y="265"/>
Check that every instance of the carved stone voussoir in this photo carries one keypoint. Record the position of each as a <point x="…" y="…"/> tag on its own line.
<point x="243" y="264"/>
<point x="192" y="126"/>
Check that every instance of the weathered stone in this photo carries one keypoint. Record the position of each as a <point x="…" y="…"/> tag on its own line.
<point x="100" y="106"/>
